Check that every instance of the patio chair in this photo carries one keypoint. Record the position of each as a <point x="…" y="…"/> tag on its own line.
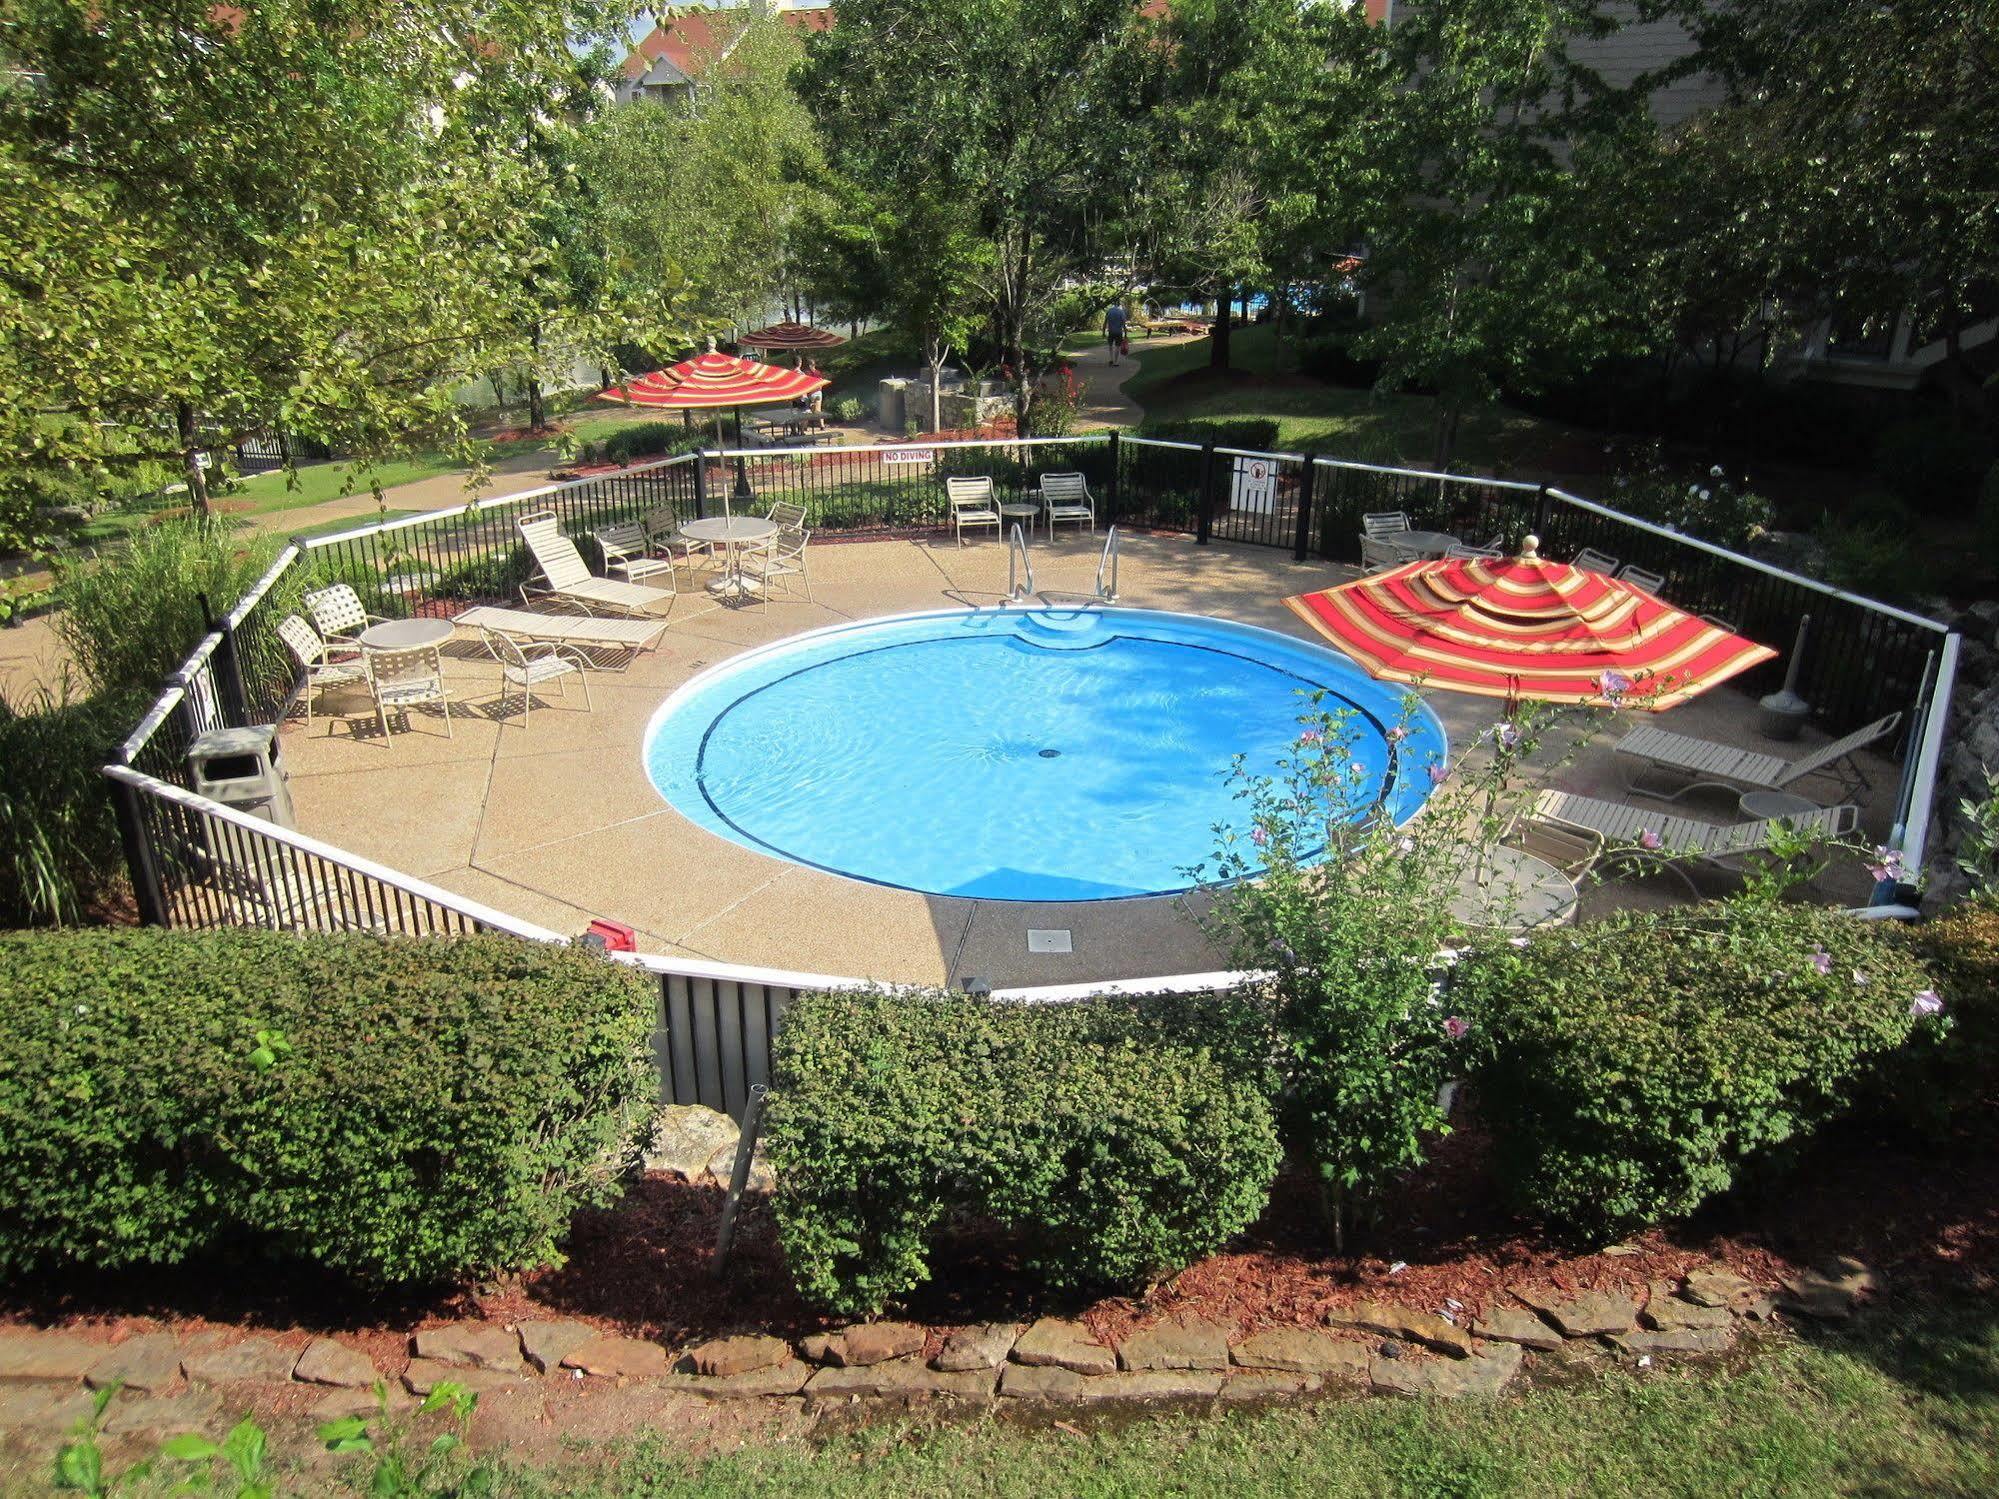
<point x="1384" y="523"/>
<point x="663" y="536"/>
<point x="566" y="577"/>
<point x="1570" y="847"/>
<point x="1378" y="554"/>
<point x="786" y="516"/>
<point x="1639" y="577"/>
<point x="1489" y="551"/>
<point x="1682" y="840"/>
<point x="972" y="504"/>
<point x="525" y="666"/>
<point x="406" y="679"/>
<point x="628" y="554"/>
<point x="1067" y="497"/>
<point x="339" y="616"/>
<point x="780" y="558"/>
<point x="1702" y="762"/>
<point x="309" y="649"/>
<point x="1590" y="560"/>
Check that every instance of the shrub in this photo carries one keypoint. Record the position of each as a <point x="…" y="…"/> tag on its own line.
<point x="1638" y="1063"/>
<point x="398" y="1110"/>
<point x="1936" y="1084"/>
<point x="1256" y="434"/>
<point x="849" y="411"/>
<point x="1707" y="504"/>
<point x="650" y="440"/>
<point x="1930" y="463"/>
<point x="1119" y="1139"/>
<point x="59" y="848"/>
<point x="130" y="618"/>
<point x="1868" y="549"/>
<point x="1332" y="360"/>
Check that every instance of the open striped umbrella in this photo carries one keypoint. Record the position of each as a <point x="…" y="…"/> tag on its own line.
<point x="789" y="335"/>
<point x="714" y="382"/>
<point x="1522" y="627"/>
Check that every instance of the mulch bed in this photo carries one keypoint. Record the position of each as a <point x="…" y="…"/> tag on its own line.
<point x="645" y="1267"/>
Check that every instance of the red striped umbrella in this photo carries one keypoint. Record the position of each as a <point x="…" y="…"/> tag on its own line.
<point x="1522" y="627"/>
<point x="713" y="381"/>
<point x="791" y="336"/>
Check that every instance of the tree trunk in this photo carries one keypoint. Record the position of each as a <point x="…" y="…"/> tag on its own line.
<point x="188" y="428"/>
<point x="537" y="410"/>
<point x="1218" y="342"/>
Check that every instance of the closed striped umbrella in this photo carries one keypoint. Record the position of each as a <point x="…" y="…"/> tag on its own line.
<point x="1523" y="627"/>
<point x="714" y="381"/>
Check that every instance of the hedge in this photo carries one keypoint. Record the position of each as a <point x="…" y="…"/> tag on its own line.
<point x="398" y="1110"/>
<point x="1637" y="1063"/>
<point x="1256" y="434"/>
<point x="1116" y="1141"/>
<point x="1938" y="1085"/>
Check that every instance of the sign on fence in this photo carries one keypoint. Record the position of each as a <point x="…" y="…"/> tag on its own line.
<point x="893" y="456"/>
<point x="1255" y="485"/>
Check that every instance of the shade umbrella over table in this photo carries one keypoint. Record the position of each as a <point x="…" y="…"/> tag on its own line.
<point x="787" y="337"/>
<point x="1524" y="627"/>
<point x="717" y="382"/>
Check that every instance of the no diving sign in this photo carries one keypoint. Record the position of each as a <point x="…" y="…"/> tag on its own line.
<point x="1255" y="486"/>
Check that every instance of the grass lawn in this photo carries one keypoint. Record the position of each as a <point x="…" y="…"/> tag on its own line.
<point x="1908" y="1403"/>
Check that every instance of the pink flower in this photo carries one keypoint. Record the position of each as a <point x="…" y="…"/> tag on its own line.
<point x="1929" y="1002"/>
<point x="1648" y="839"/>
<point x="1259" y="837"/>
<point x="1357" y="770"/>
<point x="1506" y="734"/>
<point x="1439" y="774"/>
<point x="1615" y="684"/>
<point x="1887" y="865"/>
<point x="1456" y="1028"/>
<point x="1821" y="959"/>
<point x="1397" y="734"/>
<point x="1310" y="736"/>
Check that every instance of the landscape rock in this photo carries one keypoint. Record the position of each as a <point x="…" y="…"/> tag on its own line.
<point x="1193" y="1344"/>
<point x="1509" y="1324"/>
<point x="982" y="1347"/>
<point x="1058" y="1343"/>
<point x="617" y="1358"/>
<point x="1424" y="1328"/>
<point x="866" y="1343"/>
<point x="1716" y="1286"/>
<point x="1052" y="1382"/>
<point x="1828" y="1292"/>
<point x="722" y="1168"/>
<point x="1451" y="1379"/>
<point x="907" y="1376"/>
<point x="256" y="1359"/>
<point x="787" y="1378"/>
<point x="1591" y="1315"/>
<point x="42" y="1407"/>
<point x="1678" y="1340"/>
<point x="1665" y="1311"/>
<point x="547" y="1344"/>
<point x="335" y="1405"/>
<point x="327" y="1362"/>
<point x="163" y="1415"/>
<point x="685" y="1138"/>
<point x="1300" y="1350"/>
<point x="1270" y="1384"/>
<point x="743" y="1354"/>
<point x="31" y="1354"/>
<point x="426" y="1374"/>
<point x="148" y="1364"/>
<point x="471" y="1345"/>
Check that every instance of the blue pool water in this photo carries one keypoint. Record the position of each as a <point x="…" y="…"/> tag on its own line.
<point x="1036" y="754"/>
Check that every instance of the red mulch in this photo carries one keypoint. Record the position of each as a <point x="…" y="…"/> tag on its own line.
<point x="527" y="434"/>
<point x="645" y="1267"/>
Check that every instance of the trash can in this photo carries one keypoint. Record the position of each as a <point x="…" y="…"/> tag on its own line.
<point x="240" y="768"/>
<point x="890" y="406"/>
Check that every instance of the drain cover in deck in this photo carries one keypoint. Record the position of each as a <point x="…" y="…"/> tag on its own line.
<point x="1048" y="939"/>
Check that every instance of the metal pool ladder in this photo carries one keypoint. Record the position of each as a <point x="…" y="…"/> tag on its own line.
<point x="1017" y="563"/>
<point x="1108" y="563"/>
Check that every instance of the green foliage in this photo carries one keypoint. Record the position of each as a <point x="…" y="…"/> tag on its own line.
<point x="396" y="1473"/>
<point x="1639" y="1063"/>
<point x="1708" y="504"/>
<point x="651" y="440"/>
<point x="130" y="618"/>
<point x="59" y="848"/>
<point x="1119" y="1140"/>
<point x="1955" y="1077"/>
<point x="1932" y="464"/>
<point x="397" y="1110"/>
<point x="1255" y="434"/>
<point x="1869" y="549"/>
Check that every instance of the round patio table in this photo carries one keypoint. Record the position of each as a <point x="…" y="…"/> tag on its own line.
<point x="1510" y="890"/>
<point x="1423" y="543"/>
<point x="1012" y="514"/>
<point x="731" y="533"/>
<point x="406" y="634"/>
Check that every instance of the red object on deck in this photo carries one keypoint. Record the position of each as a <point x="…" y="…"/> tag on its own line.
<point x="617" y="936"/>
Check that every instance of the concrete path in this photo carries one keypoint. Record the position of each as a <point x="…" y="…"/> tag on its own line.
<point x="1104" y="403"/>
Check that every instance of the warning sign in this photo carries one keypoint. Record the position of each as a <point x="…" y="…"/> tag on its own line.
<point x="1255" y="487"/>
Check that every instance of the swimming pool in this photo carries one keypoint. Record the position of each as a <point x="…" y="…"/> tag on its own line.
<point x="1017" y="754"/>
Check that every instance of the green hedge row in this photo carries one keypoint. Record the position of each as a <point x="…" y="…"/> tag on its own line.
<point x="1256" y="434"/>
<point x="397" y="1110"/>
<point x="1638" y="1063"/>
<point x="1115" y="1141"/>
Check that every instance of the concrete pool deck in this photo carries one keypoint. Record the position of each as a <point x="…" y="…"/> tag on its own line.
<point x="557" y="823"/>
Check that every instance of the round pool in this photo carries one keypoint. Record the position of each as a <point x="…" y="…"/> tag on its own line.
<point x="1014" y="754"/>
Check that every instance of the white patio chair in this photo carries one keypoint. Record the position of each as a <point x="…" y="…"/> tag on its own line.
<point x="628" y="554"/>
<point x="1378" y="554"/>
<point x="1702" y="762"/>
<point x="338" y="614"/>
<point x="1067" y="497"/>
<point x="525" y="666"/>
<point x="972" y="504"/>
<point x="1461" y="550"/>
<point x="1590" y="560"/>
<point x="309" y="650"/>
<point x="1639" y="577"/>
<point x="406" y="679"/>
<point x="566" y="577"/>
<point x="1384" y="523"/>
<point x="780" y="559"/>
<point x="663" y="536"/>
<point x="786" y="516"/>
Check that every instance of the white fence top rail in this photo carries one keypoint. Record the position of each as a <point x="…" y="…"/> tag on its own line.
<point x="1425" y="473"/>
<point x="263" y="586"/>
<point x="821" y="450"/>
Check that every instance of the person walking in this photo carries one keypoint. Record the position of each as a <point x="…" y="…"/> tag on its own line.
<point x="1115" y="329"/>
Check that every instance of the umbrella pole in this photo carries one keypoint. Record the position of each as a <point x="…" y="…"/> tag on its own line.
<point x="744" y="493"/>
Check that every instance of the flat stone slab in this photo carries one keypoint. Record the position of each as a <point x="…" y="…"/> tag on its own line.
<point x="1051" y="1382"/>
<point x="787" y="1378"/>
<point x="547" y="1344"/>
<point x="1058" y="1343"/>
<point x="255" y="1360"/>
<point x="1828" y="1292"/>
<point x="1716" y="1286"/>
<point x="337" y="1404"/>
<point x="1300" y="1350"/>
<point x="163" y="1415"/>
<point x="471" y="1345"/>
<point x="1425" y="1328"/>
<point x="618" y="1358"/>
<point x="327" y="1362"/>
<point x="982" y="1347"/>
<point x="902" y="1376"/>
<point x="1593" y="1314"/>
<point x="43" y="1407"/>
<point x="30" y="1354"/>
<point x="1665" y="1311"/>
<point x="1678" y="1340"/>
<point x="148" y="1364"/>
<point x="1192" y="1344"/>
<point x="686" y="1136"/>
<point x="1449" y="1379"/>
<point x="1509" y="1324"/>
<point x="1268" y="1384"/>
<point x="743" y="1354"/>
<point x="867" y="1343"/>
<point x="426" y="1374"/>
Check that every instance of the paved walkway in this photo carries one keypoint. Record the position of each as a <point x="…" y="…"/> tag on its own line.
<point x="1104" y="402"/>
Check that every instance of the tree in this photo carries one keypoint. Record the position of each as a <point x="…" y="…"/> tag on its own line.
<point x="313" y="213"/>
<point x="1028" y="116"/>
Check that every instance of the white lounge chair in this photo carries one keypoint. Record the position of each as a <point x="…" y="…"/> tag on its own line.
<point x="1640" y="577"/>
<point x="1702" y="762"/>
<point x="406" y="679"/>
<point x="1067" y="497"/>
<point x="565" y="576"/>
<point x="592" y="632"/>
<point x="338" y="614"/>
<point x="628" y="554"/>
<point x="1681" y="840"/>
<point x="524" y="667"/>
<point x="1590" y="560"/>
<point x="1380" y="553"/>
<point x="306" y="645"/>
<point x="972" y="504"/>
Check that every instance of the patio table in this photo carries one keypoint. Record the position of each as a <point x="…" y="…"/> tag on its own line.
<point x="406" y="634"/>
<point x="1421" y="543"/>
<point x="732" y="533"/>
<point x="1509" y="889"/>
